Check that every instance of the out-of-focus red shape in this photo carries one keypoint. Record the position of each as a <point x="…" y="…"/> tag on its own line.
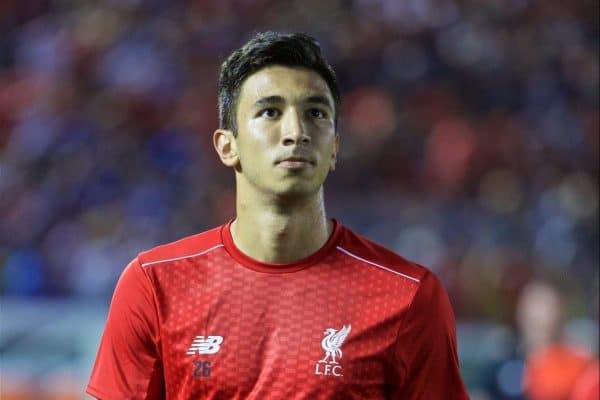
<point x="371" y="113"/>
<point x="551" y="372"/>
<point x="449" y="153"/>
<point x="587" y="386"/>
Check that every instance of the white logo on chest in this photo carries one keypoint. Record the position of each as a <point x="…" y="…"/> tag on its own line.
<point x="205" y="345"/>
<point x="332" y="343"/>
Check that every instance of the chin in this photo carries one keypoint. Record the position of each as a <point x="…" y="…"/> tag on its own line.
<point x="298" y="190"/>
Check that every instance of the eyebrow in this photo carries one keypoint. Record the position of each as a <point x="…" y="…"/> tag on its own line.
<point x="320" y="100"/>
<point x="272" y="100"/>
<point x="269" y="100"/>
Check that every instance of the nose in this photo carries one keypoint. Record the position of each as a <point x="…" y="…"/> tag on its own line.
<point x="293" y="130"/>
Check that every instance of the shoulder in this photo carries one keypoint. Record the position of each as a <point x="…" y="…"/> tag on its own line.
<point x="375" y="255"/>
<point x="189" y="246"/>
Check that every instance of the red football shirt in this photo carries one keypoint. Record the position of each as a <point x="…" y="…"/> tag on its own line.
<point x="198" y="319"/>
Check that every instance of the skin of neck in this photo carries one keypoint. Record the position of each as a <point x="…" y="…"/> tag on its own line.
<point x="279" y="229"/>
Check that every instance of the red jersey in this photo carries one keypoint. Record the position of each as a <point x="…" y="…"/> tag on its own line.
<point x="198" y="319"/>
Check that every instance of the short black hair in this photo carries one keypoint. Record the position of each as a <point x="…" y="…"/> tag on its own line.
<point x="263" y="50"/>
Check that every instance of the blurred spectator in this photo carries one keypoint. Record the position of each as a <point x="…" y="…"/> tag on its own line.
<point x="553" y="364"/>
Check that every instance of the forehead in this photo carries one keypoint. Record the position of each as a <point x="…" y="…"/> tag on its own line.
<point x="288" y="82"/>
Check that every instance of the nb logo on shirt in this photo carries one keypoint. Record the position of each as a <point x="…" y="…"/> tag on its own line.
<point x="205" y="345"/>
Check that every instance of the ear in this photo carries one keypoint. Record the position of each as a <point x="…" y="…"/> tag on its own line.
<point x="226" y="147"/>
<point x="336" y="148"/>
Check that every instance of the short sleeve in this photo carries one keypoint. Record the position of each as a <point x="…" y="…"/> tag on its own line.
<point x="128" y="364"/>
<point x="426" y="347"/>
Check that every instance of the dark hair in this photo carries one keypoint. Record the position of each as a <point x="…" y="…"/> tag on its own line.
<point x="265" y="49"/>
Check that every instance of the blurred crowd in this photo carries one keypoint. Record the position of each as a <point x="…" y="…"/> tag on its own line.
<point x="469" y="138"/>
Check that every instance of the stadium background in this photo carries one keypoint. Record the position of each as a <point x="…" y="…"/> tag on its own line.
<point x="469" y="144"/>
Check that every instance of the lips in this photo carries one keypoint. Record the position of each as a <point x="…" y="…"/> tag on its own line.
<point x="296" y="159"/>
<point x="295" y="162"/>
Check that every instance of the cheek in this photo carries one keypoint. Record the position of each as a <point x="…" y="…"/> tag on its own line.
<point x="327" y="145"/>
<point x="255" y="144"/>
<point x="261" y="130"/>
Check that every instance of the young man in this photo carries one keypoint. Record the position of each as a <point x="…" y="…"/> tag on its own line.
<point x="280" y="303"/>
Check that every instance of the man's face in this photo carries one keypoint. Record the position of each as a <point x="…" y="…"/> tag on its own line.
<point x="286" y="140"/>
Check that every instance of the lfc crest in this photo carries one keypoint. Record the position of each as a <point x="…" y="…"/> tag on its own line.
<point x="331" y="344"/>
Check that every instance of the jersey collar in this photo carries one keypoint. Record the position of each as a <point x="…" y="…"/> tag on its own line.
<point x="275" y="268"/>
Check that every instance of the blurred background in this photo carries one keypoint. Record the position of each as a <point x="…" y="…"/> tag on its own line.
<point x="469" y="144"/>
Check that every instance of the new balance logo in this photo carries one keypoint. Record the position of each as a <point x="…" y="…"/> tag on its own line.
<point x="205" y="345"/>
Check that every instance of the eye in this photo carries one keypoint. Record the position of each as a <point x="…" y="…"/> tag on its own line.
<point x="270" y="113"/>
<point x="316" y="113"/>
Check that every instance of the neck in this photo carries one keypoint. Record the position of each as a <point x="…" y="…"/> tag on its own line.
<point x="276" y="230"/>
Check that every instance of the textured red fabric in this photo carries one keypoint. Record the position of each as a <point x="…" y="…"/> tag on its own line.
<point x="198" y="319"/>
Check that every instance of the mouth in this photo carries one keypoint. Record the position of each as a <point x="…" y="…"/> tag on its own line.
<point x="295" y="162"/>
